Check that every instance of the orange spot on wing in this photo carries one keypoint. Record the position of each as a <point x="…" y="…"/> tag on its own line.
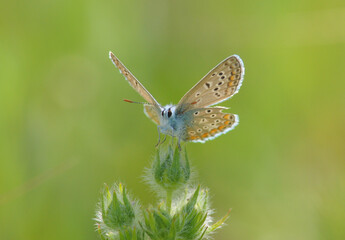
<point x="232" y="83"/>
<point x="232" y="78"/>
<point x="220" y="128"/>
<point x="205" y="135"/>
<point x="213" y="131"/>
<point x="227" y="116"/>
<point x="194" y="137"/>
<point x="227" y="122"/>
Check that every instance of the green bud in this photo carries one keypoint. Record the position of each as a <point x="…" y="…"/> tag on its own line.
<point x="131" y="234"/>
<point x="191" y="220"/>
<point x="171" y="168"/>
<point x="159" y="224"/>
<point x="117" y="216"/>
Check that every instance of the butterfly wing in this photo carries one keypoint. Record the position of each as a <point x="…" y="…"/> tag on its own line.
<point x="152" y="112"/>
<point x="133" y="81"/>
<point x="209" y="123"/>
<point x="221" y="83"/>
<point x="152" y="109"/>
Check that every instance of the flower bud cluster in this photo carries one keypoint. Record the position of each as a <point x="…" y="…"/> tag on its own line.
<point x="181" y="215"/>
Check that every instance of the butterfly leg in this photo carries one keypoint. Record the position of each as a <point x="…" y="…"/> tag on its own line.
<point x="165" y="138"/>
<point x="159" y="137"/>
<point x="179" y="144"/>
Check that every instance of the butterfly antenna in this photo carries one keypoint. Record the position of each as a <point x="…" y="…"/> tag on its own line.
<point x="130" y="101"/>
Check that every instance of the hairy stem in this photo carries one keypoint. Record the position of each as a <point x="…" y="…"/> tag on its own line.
<point x="168" y="201"/>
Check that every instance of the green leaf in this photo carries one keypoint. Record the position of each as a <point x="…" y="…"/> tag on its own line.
<point x="191" y="203"/>
<point x="219" y="223"/>
<point x="172" y="232"/>
<point x="187" y="167"/>
<point x="175" y="170"/>
<point x="158" y="170"/>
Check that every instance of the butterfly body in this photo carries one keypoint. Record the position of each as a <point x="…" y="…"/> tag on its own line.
<point x="193" y="118"/>
<point x="172" y="123"/>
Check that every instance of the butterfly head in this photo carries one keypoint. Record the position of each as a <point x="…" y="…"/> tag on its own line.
<point x="168" y="112"/>
<point x="170" y="123"/>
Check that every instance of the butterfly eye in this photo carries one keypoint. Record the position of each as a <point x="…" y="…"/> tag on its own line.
<point x="169" y="113"/>
<point x="163" y="113"/>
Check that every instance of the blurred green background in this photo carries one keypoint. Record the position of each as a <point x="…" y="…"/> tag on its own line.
<point x="64" y="129"/>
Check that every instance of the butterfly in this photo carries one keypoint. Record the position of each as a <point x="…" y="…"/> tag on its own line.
<point x="193" y="119"/>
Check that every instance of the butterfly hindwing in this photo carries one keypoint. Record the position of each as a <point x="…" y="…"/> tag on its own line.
<point x="219" y="84"/>
<point x="153" y="113"/>
<point x="209" y="123"/>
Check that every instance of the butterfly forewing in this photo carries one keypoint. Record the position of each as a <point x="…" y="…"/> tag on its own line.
<point x="133" y="81"/>
<point x="219" y="84"/>
<point x="209" y="123"/>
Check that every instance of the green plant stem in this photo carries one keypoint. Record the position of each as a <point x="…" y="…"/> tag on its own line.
<point x="168" y="202"/>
